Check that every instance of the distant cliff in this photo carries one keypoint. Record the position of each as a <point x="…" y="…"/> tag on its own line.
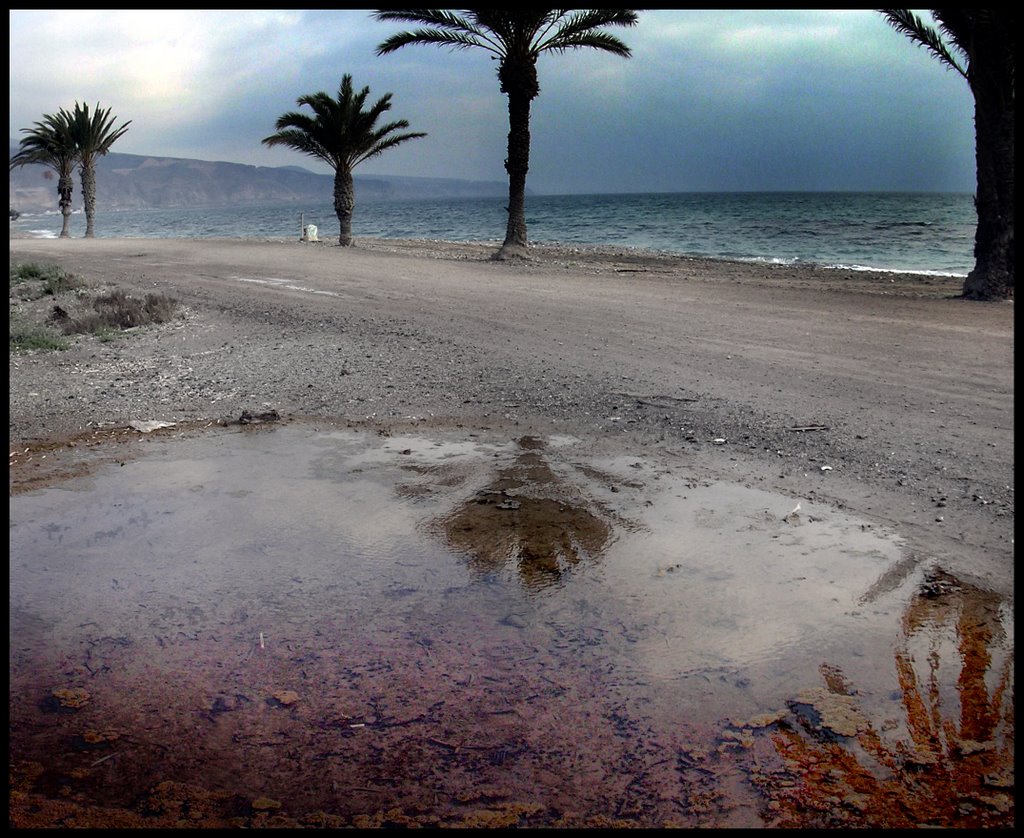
<point x="132" y="181"/>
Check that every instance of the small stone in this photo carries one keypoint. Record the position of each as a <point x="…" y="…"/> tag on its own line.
<point x="286" y="697"/>
<point x="95" y="737"/>
<point x="262" y="804"/>
<point x="838" y="713"/>
<point x="762" y="720"/>
<point x="74" y="697"/>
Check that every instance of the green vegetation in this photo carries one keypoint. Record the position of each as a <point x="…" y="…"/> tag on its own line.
<point x="118" y="311"/>
<point x="515" y="38"/>
<point x="343" y="135"/>
<point x="50" y="143"/>
<point x="105" y="317"/>
<point x="25" y="336"/>
<point x="62" y="140"/>
<point x="93" y="135"/>
<point x="34" y="281"/>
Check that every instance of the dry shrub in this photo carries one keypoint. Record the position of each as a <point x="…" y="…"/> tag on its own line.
<point x="119" y="310"/>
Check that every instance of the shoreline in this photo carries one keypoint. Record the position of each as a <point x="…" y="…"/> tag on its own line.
<point x="621" y="258"/>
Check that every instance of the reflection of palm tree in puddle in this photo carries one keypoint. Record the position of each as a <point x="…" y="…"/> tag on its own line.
<point x="527" y="515"/>
<point x="953" y="774"/>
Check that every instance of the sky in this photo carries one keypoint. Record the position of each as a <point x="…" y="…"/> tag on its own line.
<point x="710" y="100"/>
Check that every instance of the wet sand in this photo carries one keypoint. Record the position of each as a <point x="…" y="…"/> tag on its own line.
<point x="582" y="633"/>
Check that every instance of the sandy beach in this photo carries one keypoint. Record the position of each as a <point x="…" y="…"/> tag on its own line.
<point x="874" y="395"/>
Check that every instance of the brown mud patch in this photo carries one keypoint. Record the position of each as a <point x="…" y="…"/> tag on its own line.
<point x="291" y="626"/>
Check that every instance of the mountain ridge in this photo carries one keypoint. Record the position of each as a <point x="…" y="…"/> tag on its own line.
<point x="135" y="181"/>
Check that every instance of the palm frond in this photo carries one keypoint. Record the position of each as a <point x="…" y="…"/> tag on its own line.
<point x="440" y="27"/>
<point x="95" y="134"/>
<point x="907" y="23"/>
<point x="385" y="143"/>
<point x="441" y="18"/>
<point x="341" y="131"/>
<point x="437" y="37"/>
<point x="50" y="143"/>
<point x="510" y="32"/>
<point x="588" y="22"/>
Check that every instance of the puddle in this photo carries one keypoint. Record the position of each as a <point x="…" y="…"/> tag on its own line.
<point x="283" y="625"/>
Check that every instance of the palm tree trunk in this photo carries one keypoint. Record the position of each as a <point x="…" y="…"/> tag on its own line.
<point x="344" y="203"/>
<point x="519" y="82"/>
<point x="66" y="189"/>
<point x="992" y="277"/>
<point x="517" y="165"/>
<point x="88" y="173"/>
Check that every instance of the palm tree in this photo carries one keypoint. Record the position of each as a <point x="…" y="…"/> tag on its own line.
<point x="983" y="39"/>
<point x="94" y="134"/>
<point x="50" y="143"/>
<point x="515" y="38"/>
<point x="343" y="135"/>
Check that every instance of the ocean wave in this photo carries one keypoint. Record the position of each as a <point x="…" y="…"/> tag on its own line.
<point x="891" y="225"/>
<point x="920" y="271"/>
<point x="768" y="260"/>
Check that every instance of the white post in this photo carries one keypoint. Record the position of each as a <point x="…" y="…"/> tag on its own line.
<point x="302" y="225"/>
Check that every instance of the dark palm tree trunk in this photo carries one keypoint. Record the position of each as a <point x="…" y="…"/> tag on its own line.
<point x="992" y="277"/>
<point x="66" y="189"/>
<point x="519" y="82"/>
<point x="517" y="165"/>
<point x="88" y="172"/>
<point x="344" y="203"/>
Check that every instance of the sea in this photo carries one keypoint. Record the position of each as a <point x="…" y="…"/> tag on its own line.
<point x="926" y="233"/>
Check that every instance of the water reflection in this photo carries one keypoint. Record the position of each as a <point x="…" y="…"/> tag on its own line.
<point x="529" y="517"/>
<point x="948" y="762"/>
<point x="261" y="615"/>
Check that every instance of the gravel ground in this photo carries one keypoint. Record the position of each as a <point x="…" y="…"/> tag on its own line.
<point x="888" y="397"/>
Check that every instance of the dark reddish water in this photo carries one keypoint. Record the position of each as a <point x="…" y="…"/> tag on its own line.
<point x="286" y="625"/>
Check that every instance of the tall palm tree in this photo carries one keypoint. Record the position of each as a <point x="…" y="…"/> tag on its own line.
<point x="516" y="38"/>
<point x="94" y="135"/>
<point x="984" y="41"/>
<point x="51" y="143"/>
<point x="343" y="135"/>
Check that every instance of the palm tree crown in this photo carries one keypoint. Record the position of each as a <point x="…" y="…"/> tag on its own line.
<point x="515" y="38"/>
<point x="508" y="34"/>
<point x="50" y="143"/>
<point x="342" y="134"/>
